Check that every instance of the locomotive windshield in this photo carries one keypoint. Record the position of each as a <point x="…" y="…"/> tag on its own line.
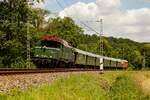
<point x="52" y="44"/>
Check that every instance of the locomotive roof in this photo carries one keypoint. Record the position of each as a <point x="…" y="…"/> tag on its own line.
<point x="98" y="56"/>
<point x="55" y="38"/>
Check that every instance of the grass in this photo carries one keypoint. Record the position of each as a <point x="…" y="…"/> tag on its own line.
<point x="125" y="89"/>
<point x="109" y="86"/>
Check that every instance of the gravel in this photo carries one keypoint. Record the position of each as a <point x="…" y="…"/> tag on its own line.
<point x="23" y="81"/>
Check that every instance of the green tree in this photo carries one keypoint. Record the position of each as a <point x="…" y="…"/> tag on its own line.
<point x="13" y="31"/>
<point x="65" y="28"/>
<point x="146" y="53"/>
<point x="38" y="16"/>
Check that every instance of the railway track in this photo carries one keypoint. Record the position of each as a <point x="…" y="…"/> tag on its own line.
<point x="28" y="71"/>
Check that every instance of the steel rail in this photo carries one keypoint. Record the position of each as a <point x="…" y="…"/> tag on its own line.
<point x="28" y="71"/>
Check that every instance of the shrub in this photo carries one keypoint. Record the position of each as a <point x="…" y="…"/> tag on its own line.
<point x="20" y="63"/>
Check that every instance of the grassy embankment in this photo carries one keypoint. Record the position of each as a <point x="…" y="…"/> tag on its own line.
<point x="109" y="86"/>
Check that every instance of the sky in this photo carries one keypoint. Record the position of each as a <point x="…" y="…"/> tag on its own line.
<point x="121" y="18"/>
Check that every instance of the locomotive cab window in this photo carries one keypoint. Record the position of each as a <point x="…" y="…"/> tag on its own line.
<point x="51" y="44"/>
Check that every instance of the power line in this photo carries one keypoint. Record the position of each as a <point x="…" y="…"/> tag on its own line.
<point x="89" y="27"/>
<point x="59" y="4"/>
<point x="101" y="32"/>
<point x="66" y="3"/>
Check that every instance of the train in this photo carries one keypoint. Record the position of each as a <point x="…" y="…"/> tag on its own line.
<point x="55" y="52"/>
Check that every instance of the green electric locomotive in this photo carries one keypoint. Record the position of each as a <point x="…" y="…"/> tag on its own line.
<point x="53" y="51"/>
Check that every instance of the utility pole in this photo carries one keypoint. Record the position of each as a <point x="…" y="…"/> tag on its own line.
<point x="30" y="3"/>
<point x="28" y="45"/>
<point x="101" y="66"/>
<point x="144" y="61"/>
<point x="101" y="37"/>
<point x="122" y="52"/>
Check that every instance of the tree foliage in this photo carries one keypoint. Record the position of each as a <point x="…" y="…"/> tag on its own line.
<point x="13" y="31"/>
<point x="146" y="50"/>
<point x="65" y="28"/>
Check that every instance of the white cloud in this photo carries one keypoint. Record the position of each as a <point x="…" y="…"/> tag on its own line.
<point x="132" y="23"/>
<point x="81" y="10"/>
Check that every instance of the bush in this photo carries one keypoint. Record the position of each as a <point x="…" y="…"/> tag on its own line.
<point x="20" y="63"/>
